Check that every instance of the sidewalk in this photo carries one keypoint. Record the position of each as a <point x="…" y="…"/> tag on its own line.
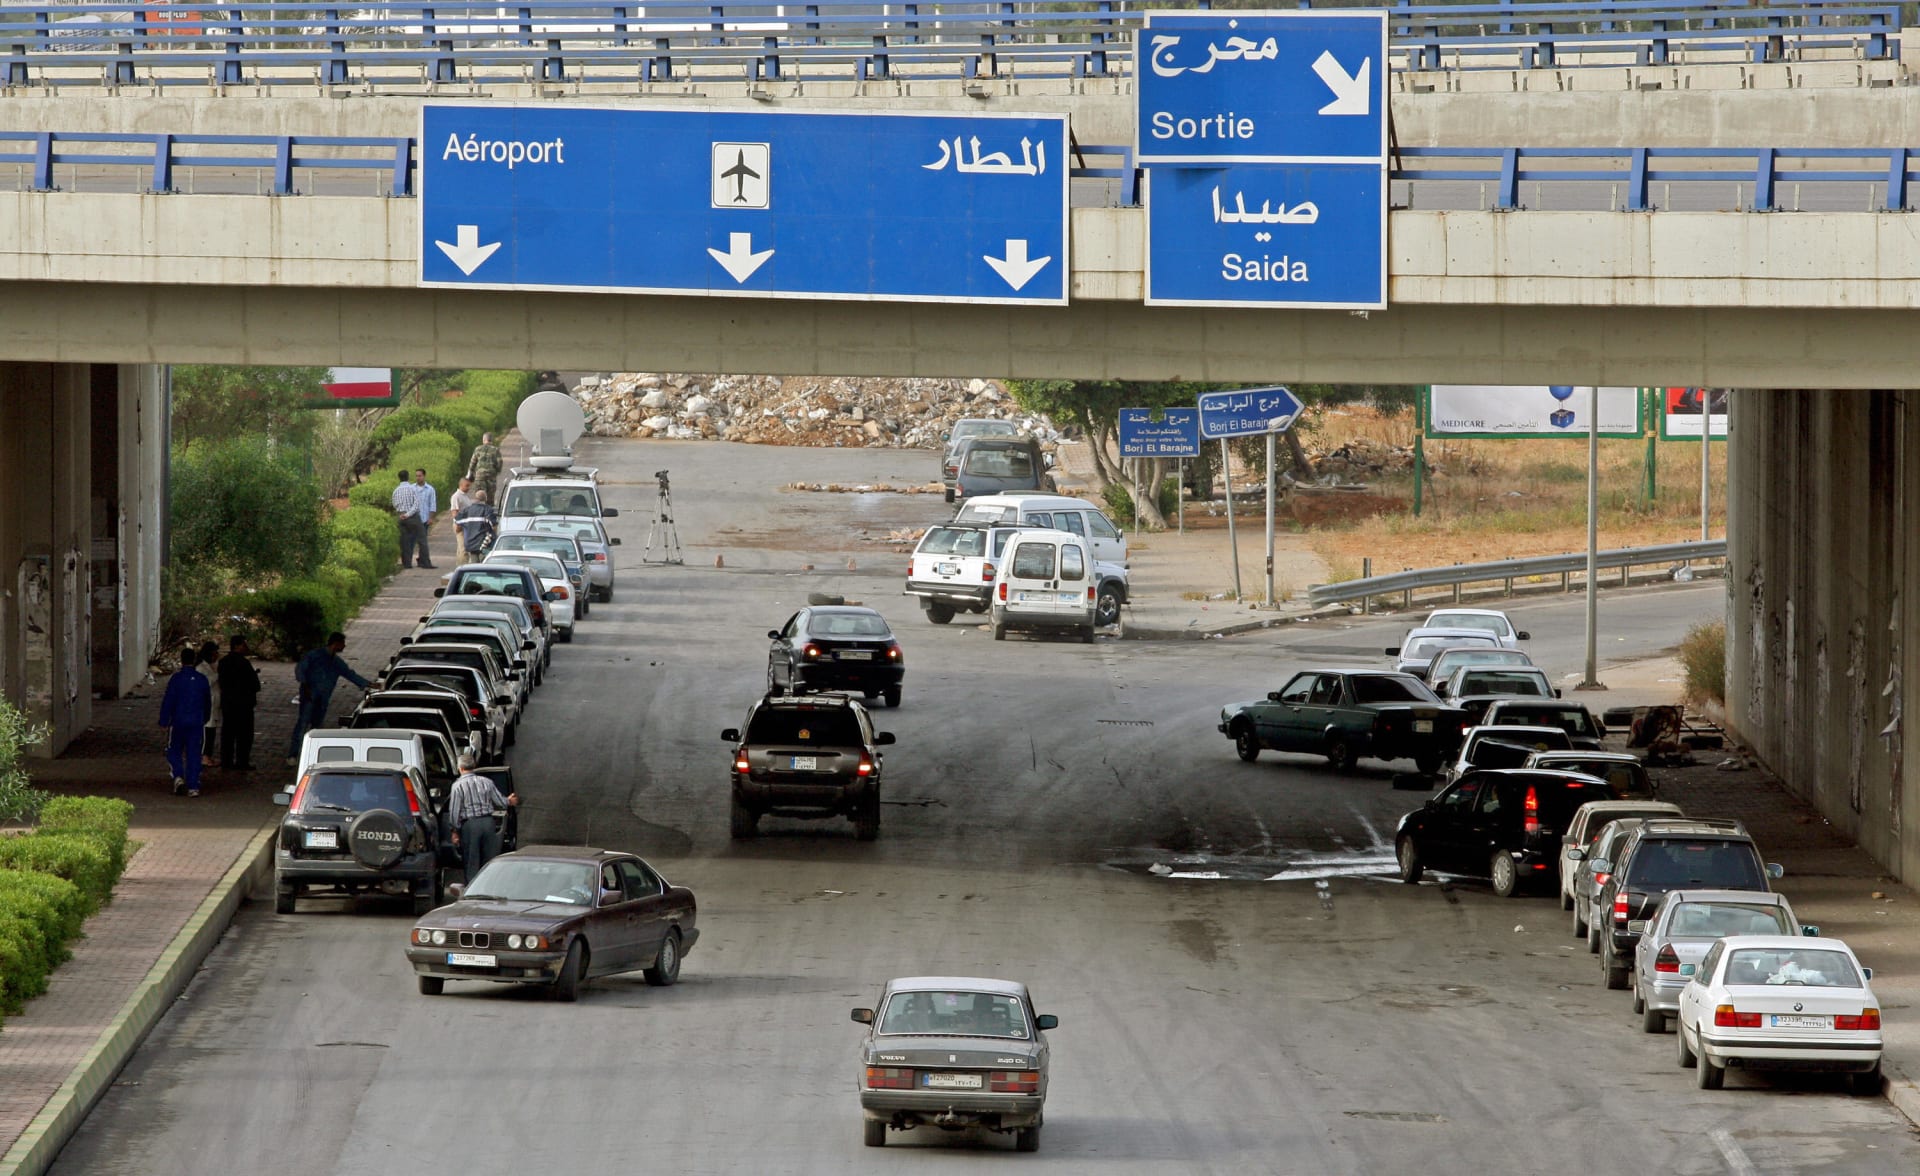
<point x="196" y="859"/>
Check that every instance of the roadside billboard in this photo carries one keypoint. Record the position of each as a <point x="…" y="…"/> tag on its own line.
<point x="1528" y="410"/>
<point x="1682" y="409"/>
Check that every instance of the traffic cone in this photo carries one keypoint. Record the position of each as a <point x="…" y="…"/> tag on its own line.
<point x="719" y="561"/>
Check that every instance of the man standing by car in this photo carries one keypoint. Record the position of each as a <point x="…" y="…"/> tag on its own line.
<point x="318" y="673"/>
<point x="484" y="468"/>
<point x="184" y="710"/>
<point x="470" y="808"/>
<point x="461" y="500"/>
<point x="428" y="500"/>
<point x="406" y="509"/>
<point x="239" y="691"/>
<point x="476" y="523"/>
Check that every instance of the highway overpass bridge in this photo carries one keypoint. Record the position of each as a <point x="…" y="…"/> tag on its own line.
<point x="1810" y="313"/>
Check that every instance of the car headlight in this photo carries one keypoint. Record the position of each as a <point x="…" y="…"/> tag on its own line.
<point x="439" y="938"/>
<point x="513" y="941"/>
<point x="533" y="942"/>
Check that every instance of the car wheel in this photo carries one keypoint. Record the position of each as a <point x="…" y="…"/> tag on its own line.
<point x="422" y="903"/>
<point x="567" y="987"/>
<point x="1245" y="743"/>
<point x="1106" y="607"/>
<point x="1566" y="904"/>
<point x="1427" y="764"/>
<point x="745" y="822"/>
<point x="1680" y="1043"/>
<point x="949" y="496"/>
<point x="1614" y="975"/>
<point x="1086" y="635"/>
<point x="432" y="985"/>
<point x="1339" y="755"/>
<point x="283" y="900"/>
<point x="1027" y="1139"/>
<point x="566" y="635"/>
<point x="1708" y="1076"/>
<point x="874" y="1131"/>
<point x="606" y="594"/>
<point x="866" y="820"/>
<point x="666" y="969"/>
<point x="1652" y="1020"/>
<point x="773" y="685"/>
<point x="939" y="614"/>
<point x="1408" y="855"/>
<point x="512" y="736"/>
<point x="1579" y="921"/>
<point x="893" y="696"/>
<point x="1505" y="875"/>
<point x="1593" y="938"/>
<point x="1867" y="1082"/>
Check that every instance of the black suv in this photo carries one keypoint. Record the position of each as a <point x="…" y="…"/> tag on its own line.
<point x="812" y="757"/>
<point x="1503" y="824"/>
<point x="357" y="827"/>
<point x="1668" y="854"/>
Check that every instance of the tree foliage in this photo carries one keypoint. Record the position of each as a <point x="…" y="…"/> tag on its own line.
<point x="244" y="510"/>
<point x="214" y="403"/>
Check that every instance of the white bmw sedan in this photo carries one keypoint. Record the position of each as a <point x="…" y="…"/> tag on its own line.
<point x="1780" y="1002"/>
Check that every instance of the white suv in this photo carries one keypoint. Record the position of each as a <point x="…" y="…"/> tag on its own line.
<point x="954" y="567"/>
<point x="537" y="492"/>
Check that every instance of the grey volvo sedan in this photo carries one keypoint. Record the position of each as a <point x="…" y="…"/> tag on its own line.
<point x="954" y="1052"/>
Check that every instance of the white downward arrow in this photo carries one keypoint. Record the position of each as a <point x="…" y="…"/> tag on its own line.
<point x="1015" y="267"/>
<point x="468" y="253"/>
<point x="740" y="260"/>
<point x="1351" y="95"/>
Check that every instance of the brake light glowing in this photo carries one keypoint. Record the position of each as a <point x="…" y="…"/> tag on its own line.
<point x="1727" y="1017"/>
<point x="1668" y="961"/>
<point x="810" y="652"/>
<point x="866" y="764"/>
<point x="1014" y="1081"/>
<point x="893" y="653"/>
<point x="1868" y="1019"/>
<point x="539" y="613"/>
<point x="1601" y="879"/>
<point x="1532" y="808"/>
<point x="1003" y="593"/>
<point x="889" y="1078"/>
<point x="473" y="712"/>
<point x="1619" y="908"/>
<point x="740" y="761"/>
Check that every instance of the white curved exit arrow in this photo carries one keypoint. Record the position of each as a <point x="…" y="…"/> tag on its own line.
<point x="1351" y="93"/>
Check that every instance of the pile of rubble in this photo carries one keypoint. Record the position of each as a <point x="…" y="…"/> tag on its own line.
<point x="1360" y="457"/>
<point x="795" y="410"/>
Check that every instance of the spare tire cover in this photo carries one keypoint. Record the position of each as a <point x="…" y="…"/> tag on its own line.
<point x="377" y="838"/>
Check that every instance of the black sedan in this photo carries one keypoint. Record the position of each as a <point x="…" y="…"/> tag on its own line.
<point x="1344" y="715"/>
<point x="836" y="647"/>
<point x="559" y="916"/>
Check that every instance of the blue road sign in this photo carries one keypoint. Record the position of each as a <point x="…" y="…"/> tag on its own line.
<point x="1251" y="87"/>
<point x="753" y="203"/>
<point x="1299" y="235"/>
<point x="1246" y="413"/>
<point x="1175" y="434"/>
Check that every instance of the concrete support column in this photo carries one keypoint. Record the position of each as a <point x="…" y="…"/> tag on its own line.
<point x="129" y="454"/>
<point x="45" y="545"/>
<point x="1819" y="629"/>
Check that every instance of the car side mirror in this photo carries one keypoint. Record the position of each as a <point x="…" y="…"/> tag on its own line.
<point x="774" y="634"/>
<point x="1866" y="973"/>
<point x="549" y="596"/>
<point x="283" y="798"/>
<point x="864" y="1016"/>
<point x="1523" y="635"/>
<point x="520" y="663"/>
<point x="1576" y="855"/>
<point x="731" y="734"/>
<point x="1556" y="692"/>
<point x="1602" y="866"/>
<point x="610" y="897"/>
<point x="1689" y="969"/>
<point x="1046" y="1021"/>
<point x="1810" y="930"/>
<point x="406" y="641"/>
<point x="609" y="512"/>
<point x="1273" y="696"/>
<point x="883" y="738"/>
<point x="613" y="543"/>
<point x="1776" y="871"/>
<point x="1636" y="926"/>
<point x="425" y="617"/>
<point x="526" y="645"/>
<point x="439" y="591"/>
<point x="455" y="890"/>
<point x="1391" y="650"/>
<point x="476" y="725"/>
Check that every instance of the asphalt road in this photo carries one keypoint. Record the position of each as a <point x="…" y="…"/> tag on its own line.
<point x="1297" y="1014"/>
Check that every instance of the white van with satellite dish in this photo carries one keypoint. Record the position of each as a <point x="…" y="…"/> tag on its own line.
<point x="1045" y="581"/>
<point x="1061" y="512"/>
<point x="550" y="484"/>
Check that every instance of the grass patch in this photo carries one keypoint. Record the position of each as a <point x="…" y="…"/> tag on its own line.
<point x="1703" y="656"/>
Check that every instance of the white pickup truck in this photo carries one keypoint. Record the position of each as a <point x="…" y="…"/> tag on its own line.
<point x="952" y="571"/>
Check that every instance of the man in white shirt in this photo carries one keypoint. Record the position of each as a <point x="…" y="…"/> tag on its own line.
<point x="406" y="508"/>
<point x="462" y="498"/>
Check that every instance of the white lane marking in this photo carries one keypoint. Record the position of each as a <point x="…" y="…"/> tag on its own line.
<point x="1737" y="1161"/>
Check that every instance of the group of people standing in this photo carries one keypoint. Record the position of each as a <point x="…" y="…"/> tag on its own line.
<point x="208" y="710"/>
<point x="416" y="502"/>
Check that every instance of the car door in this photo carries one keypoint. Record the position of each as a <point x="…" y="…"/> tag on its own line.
<point x="612" y="931"/>
<point x="1109" y="545"/>
<point x="646" y="896"/>
<point x="1448" y="824"/>
<point x="1277" y="721"/>
<point x="780" y="654"/>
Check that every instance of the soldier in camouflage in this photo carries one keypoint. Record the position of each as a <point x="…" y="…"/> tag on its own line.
<point x="484" y="469"/>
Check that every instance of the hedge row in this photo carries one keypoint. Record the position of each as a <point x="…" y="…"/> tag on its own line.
<point x="51" y="880"/>
<point x="363" y="544"/>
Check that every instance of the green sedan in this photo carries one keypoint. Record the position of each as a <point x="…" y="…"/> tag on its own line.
<point x="1344" y="715"/>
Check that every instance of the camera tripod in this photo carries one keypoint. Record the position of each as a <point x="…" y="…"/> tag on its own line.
<point x="662" y="530"/>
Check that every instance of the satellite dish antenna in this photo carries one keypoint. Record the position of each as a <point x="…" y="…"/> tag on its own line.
<point x="550" y="421"/>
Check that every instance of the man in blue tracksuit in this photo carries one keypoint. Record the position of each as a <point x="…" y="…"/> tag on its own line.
<point x="318" y="673"/>
<point x="185" y="709"/>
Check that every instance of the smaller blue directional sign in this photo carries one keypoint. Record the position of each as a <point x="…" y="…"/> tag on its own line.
<point x="1294" y="235"/>
<point x="1247" y="413"/>
<point x="750" y="203"/>
<point x="1175" y="434"/>
<point x="1246" y="87"/>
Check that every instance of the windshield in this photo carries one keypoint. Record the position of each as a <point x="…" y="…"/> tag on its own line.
<point x="1810" y="966"/>
<point x="555" y="545"/>
<point x="976" y="513"/>
<point x="480" y="582"/>
<point x="1453" y="659"/>
<point x="1628" y="781"/>
<point x="1381" y="688"/>
<point x="999" y="462"/>
<point x="540" y="565"/>
<point x="535" y="499"/>
<point x="954" y="1014"/>
<point x="847" y="625"/>
<point x="532" y="880"/>
<point x="1532" y="685"/>
<point x="1448" y="620"/>
<point x="954" y="541"/>
<point x="805" y="725"/>
<point x="1713" y="920"/>
<point x="1572" y="720"/>
<point x="579" y="529"/>
<point x="1673" y="864"/>
<point x="354" y="792"/>
<point x="1426" y="647"/>
<point x="979" y="429"/>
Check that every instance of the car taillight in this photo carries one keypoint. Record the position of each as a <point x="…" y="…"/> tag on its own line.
<point x="1619" y="908"/>
<point x="598" y="557"/>
<point x="1090" y="593"/>
<point x="560" y="593"/>
<point x="1601" y="879"/>
<point x="740" y="761"/>
<point x="909" y="569"/>
<point x="810" y="652"/>
<point x="1868" y="1019"/>
<point x="1014" y="1081"/>
<point x="539" y="613"/>
<point x="893" y="652"/>
<point x="1532" y="809"/>
<point x="1727" y="1017"/>
<point x="413" y="798"/>
<point x="473" y="712"/>
<point x="1003" y="594"/>
<point x="986" y="573"/>
<point x="1667" y="961"/>
<point x="960" y="489"/>
<point x="299" y="794"/>
<point x="866" y="764"/>
<point x="889" y="1078"/>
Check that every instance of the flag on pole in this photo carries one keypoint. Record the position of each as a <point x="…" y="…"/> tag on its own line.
<point x="359" y="383"/>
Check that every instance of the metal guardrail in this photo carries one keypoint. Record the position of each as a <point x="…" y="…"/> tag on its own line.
<point x="182" y="42"/>
<point x="1404" y="584"/>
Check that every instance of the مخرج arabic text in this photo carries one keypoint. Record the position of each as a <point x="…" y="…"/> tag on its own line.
<point x="1265" y="268"/>
<point x="1228" y="125"/>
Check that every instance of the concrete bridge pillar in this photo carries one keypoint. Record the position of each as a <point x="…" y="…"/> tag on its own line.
<point x="82" y="461"/>
<point x="1824" y="488"/>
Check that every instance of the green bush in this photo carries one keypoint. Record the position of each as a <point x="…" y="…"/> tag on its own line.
<point x="438" y="452"/>
<point x="376" y="493"/>
<point x="1703" y="657"/>
<point x="374" y="528"/>
<point x="292" y="617"/>
<point x="54" y="903"/>
<point x="348" y="588"/>
<point x="398" y="424"/>
<point x="244" y="507"/>
<point x="352" y="555"/>
<point x="24" y="961"/>
<point x="19" y="799"/>
<point x="103" y="818"/>
<point x="80" y="860"/>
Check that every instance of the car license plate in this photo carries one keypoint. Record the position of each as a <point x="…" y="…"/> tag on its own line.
<point x="1069" y="597"/>
<point x="856" y="655"/>
<point x="323" y="839"/>
<point x="950" y="1081"/>
<point x="1423" y="726"/>
<point x="1789" y="1022"/>
<point x="946" y="569"/>
<point x="804" y="763"/>
<point x="464" y="960"/>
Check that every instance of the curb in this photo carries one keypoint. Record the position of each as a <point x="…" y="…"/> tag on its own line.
<point x="1903" y="1093"/>
<point x="34" y="1152"/>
